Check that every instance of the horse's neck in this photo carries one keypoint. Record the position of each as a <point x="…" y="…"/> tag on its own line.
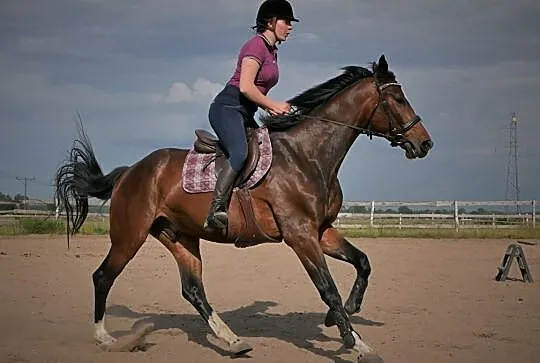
<point x="326" y="143"/>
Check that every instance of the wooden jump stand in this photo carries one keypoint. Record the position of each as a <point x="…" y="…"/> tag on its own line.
<point x="514" y="251"/>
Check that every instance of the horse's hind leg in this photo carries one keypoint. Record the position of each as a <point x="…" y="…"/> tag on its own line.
<point x="121" y="252"/>
<point x="187" y="254"/>
<point x="335" y="245"/>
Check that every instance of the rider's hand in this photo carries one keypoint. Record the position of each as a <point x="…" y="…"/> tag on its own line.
<point x="279" y="108"/>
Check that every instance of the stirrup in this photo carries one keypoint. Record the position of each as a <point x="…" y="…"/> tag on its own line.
<point x="213" y="221"/>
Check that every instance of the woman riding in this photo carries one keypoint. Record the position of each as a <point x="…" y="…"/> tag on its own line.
<point x="233" y="109"/>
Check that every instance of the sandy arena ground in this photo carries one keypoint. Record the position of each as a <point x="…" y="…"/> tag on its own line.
<point x="428" y="301"/>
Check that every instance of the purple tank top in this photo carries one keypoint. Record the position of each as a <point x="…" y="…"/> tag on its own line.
<point x="268" y="74"/>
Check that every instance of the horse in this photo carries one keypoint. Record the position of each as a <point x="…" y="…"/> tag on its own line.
<point x="295" y="203"/>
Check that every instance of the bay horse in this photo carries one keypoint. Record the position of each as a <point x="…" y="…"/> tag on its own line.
<point x="296" y="202"/>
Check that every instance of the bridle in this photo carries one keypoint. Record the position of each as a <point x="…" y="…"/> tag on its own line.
<point x="396" y="131"/>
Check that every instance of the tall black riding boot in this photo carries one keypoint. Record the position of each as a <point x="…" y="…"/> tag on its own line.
<point x="217" y="217"/>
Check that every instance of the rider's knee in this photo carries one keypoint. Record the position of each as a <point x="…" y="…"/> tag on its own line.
<point x="242" y="155"/>
<point x="238" y="160"/>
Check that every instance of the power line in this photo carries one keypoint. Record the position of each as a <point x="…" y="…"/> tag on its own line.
<point x="25" y="181"/>
<point x="4" y="174"/>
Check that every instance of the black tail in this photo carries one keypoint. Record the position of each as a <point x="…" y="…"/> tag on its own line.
<point x="81" y="177"/>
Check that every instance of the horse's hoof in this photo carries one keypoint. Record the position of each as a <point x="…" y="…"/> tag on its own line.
<point x="330" y="319"/>
<point x="131" y="342"/>
<point x="240" y="348"/>
<point x="236" y="348"/>
<point x="349" y="341"/>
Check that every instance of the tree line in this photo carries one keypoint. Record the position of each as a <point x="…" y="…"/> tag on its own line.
<point x="7" y="202"/>
<point x="18" y="198"/>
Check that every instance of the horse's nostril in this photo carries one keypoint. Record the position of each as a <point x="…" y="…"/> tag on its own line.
<point x="426" y="145"/>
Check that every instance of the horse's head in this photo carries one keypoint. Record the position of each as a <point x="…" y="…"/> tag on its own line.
<point x="393" y="117"/>
<point x="371" y="102"/>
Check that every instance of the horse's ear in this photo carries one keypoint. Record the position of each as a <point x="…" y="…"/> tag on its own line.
<point x="382" y="67"/>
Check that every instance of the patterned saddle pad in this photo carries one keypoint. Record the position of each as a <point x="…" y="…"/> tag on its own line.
<point x="199" y="169"/>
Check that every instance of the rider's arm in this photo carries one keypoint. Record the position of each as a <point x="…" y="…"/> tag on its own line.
<point x="248" y="72"/>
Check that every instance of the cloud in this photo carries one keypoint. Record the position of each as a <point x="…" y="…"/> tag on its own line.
<point x="202" y="90"/>
<point x="142" y="78"/>
<point x="21" y="89"/>
<point x="41" y="44"/>
<point x="306" y="37"/>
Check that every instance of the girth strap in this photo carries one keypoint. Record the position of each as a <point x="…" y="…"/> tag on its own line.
<point x="249" y="233"/>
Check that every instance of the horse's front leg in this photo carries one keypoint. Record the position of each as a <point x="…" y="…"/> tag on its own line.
<point x="308" y="250"/>
<point x="335" y="245"/>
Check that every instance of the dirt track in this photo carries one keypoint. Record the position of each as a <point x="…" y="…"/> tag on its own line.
<point x="428" y="301"/>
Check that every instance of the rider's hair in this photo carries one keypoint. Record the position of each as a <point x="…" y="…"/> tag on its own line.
<point x="261" y="26"/>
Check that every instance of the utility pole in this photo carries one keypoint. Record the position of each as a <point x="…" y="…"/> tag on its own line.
<point x="512" y="180"/>
<point x="25" y="181"/>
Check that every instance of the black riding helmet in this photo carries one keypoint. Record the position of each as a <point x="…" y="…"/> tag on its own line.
<point x="280" y="9"/>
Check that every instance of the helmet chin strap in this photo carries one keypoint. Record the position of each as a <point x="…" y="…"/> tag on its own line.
<point x="268" y="40"/>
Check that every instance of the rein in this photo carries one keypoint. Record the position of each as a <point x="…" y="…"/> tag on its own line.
<point x="395" y="134"/>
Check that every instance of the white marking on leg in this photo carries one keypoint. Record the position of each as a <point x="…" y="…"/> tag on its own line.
<point x="360" y="346"/>
<point x="100" y="333"/>
<point x="221" y="329"/>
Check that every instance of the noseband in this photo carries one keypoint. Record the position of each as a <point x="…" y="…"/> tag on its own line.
<point x="396" y="131"/>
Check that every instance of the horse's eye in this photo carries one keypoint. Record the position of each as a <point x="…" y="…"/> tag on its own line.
<point x="399" y="99"/>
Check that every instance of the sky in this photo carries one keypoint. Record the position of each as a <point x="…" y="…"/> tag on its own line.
<point x="142" y="74"/>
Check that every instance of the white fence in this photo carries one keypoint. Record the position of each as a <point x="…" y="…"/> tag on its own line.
<point x="10" y="216"/>
<point x="385" y="214"/>
<point x="439" y="214"/>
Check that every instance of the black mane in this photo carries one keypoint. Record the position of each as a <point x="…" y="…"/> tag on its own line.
<point x="306" y="101"/>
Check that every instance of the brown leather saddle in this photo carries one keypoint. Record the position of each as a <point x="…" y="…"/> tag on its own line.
<point x="244" y="227"/>
<point x="207" y="143"/>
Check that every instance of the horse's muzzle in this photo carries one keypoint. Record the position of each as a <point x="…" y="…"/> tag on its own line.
<point x="413" y="151"/>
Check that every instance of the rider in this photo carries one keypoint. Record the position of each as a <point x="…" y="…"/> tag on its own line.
<point x="233" y="108"/>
